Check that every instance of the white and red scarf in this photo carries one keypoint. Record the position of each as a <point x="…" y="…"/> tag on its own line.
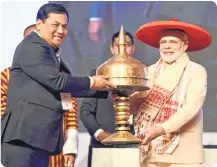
<point x="163" y="100"/>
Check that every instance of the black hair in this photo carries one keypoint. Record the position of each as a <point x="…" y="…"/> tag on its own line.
<point x="46" y="9"/>
<point x="116" y="35"/>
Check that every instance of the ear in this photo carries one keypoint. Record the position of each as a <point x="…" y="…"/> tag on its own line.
<point x="38" y="25"/>
<point x="186" y="44"/>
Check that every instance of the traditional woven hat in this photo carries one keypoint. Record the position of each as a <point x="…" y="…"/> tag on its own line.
<point x="198" y="37"/>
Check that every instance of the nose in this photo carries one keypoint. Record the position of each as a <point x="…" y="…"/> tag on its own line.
<point x="167" y="45"/>
<point x="60" y="29"/>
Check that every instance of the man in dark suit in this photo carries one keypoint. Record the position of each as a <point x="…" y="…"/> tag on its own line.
<point x="98" y="115"/>
<point x="31" y="127"/>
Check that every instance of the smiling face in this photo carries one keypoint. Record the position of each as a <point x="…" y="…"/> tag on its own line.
<point x="173" y="44"/>
<point x="53" y="29"/>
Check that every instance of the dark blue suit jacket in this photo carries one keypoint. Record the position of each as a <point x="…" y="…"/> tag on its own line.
<point x="34" y="110"/>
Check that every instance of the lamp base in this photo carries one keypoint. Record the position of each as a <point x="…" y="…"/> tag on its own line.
<point x="121" y="137"/>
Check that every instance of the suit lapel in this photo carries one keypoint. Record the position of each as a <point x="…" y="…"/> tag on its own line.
<point x="52" y="50"/>
<point x="63" y="66"/>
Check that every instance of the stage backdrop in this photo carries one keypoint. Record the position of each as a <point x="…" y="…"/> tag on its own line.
<point x="82" y="55"/>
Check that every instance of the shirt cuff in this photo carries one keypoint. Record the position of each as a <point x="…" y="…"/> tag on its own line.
<point x="95" y="19"/>
<point x="71" y="143"/>
<point x="96" y="134"/>
<point x="131" y="119"/>
<point x="91" y="82"/>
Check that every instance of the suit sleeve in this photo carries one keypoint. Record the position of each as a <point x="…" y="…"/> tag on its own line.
<point x="195" y="97"/>
<point x="5" y="75"/>
<point x="87" y="115"/>
<point x="88" y="111"/>
<point x="98" y="9"/>
<point x="37" y="62"/>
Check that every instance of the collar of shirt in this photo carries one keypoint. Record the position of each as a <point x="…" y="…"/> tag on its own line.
<point x="58" y="54"/>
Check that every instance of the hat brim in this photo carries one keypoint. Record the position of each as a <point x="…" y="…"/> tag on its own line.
<point x="150" y="34"/>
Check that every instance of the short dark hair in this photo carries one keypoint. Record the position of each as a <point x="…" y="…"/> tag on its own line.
<point x="116" y="35"/>
<point x="46" y="9"/>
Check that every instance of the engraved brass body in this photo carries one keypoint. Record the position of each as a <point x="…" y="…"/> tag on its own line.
<point x="129" y="75"/>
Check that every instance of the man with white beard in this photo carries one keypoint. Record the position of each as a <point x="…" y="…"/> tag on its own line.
<point x="169" y="118"/>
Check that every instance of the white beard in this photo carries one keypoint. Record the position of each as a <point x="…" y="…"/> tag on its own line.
<point x="171" y="58"/>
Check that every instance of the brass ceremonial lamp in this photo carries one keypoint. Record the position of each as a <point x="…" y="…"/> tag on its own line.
<point x="129" y="75"/>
